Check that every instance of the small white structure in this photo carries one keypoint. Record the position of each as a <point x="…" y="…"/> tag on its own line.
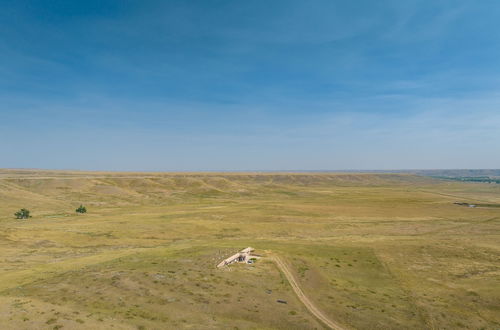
<point x="244" y="256"/>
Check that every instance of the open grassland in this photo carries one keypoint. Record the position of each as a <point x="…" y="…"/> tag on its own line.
<point x="372" y="251"/>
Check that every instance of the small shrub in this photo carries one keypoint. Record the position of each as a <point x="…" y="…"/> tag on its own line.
<point x="22" y="214"/>
<point x="81" y="209"/>
<point x="50" y="321"/>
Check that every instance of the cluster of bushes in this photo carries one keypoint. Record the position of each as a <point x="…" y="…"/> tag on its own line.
<point x="22" y="214"/>
<point x="81" y="209"/>
<point x="25" y="213"/>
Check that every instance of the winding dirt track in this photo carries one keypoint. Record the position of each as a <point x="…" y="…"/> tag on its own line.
<point x="298" y="291"/>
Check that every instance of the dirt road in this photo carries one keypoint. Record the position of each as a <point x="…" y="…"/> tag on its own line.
<point x="298" y="291"/>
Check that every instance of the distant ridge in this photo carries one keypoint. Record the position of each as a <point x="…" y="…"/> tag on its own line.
<point x="427" y="172"/>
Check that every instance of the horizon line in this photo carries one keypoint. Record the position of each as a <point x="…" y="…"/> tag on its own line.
<point x="253" y="170"/>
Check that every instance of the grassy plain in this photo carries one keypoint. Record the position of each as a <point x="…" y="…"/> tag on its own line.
<point x="373" y="251"/>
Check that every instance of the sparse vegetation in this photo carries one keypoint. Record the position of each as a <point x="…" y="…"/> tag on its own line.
<point x="366" y="249"/>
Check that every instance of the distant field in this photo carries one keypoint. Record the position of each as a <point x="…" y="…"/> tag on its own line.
<point x="372" y="251"/>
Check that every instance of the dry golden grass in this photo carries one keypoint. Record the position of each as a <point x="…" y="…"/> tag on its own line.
<point x="373" y="251"/>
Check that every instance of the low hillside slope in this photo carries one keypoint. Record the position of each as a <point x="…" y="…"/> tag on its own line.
<point x="369" y="251"/>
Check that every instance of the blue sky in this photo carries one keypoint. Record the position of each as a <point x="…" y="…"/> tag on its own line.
<point x="249" y="85"/>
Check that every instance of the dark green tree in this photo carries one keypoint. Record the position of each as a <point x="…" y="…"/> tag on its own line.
<point x="81" y="209"/>
<point x="22" y="214"/>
